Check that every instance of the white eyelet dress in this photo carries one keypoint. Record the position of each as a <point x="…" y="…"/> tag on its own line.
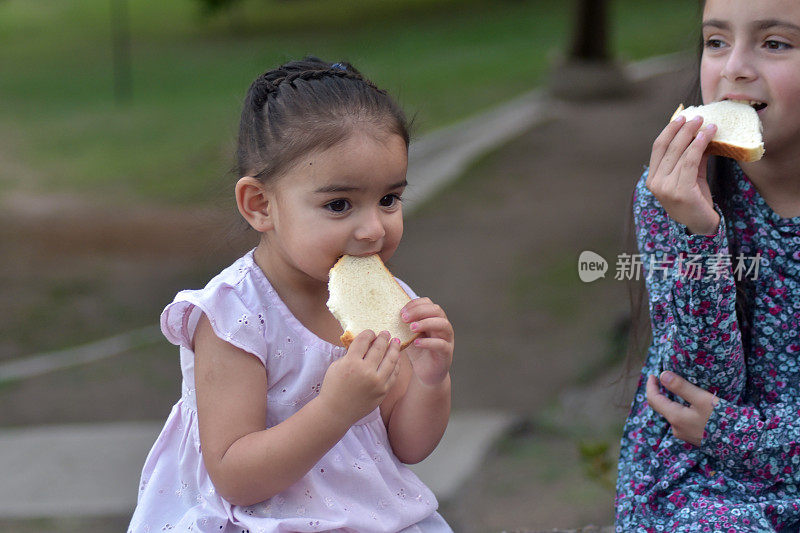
<point x="358" y="486"/>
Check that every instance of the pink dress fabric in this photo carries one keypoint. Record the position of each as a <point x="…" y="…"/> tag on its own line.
<point x="358" y="486"/>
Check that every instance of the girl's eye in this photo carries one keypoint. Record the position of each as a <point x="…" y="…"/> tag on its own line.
<point x="338" y="206"/>
<point x="714" y="43"/>
<point x="772" y="44"/>
<point x="390" y="200"/>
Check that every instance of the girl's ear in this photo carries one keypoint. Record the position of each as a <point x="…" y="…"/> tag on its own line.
<point x="254" y="203"/>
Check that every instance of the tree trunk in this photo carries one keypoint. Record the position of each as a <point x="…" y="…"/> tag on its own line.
<point x="590" y="34"/>
<point x="589" y="70"/>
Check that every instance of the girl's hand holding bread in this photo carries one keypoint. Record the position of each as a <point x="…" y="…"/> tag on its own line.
<point x="357" y="383"/>
<point x="431" y="353"/>
<point x="677" y="176"/>
<point x="363" y="294"/>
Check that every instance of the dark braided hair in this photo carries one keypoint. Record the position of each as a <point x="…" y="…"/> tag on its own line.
<point x="309" y="105"/>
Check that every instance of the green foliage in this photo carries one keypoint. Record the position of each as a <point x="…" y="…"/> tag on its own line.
<point x="598" y="465"/>
<point x="60" y="128"/>
<point x="214" y="6"/>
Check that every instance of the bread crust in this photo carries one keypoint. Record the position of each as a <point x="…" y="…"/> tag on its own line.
<point x="735" y="152"/>
<point x="739" y="153"/>
<point x="348" y="337"/>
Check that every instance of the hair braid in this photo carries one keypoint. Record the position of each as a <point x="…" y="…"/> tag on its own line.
<point x="308" y="105"/>
<point x="270" y="82"/>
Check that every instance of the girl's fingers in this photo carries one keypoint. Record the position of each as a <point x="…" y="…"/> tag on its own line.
<point x="694" y="156"/>
<point x="393" y="377"/>
<point x="414" y="306"/>
<point x="678" y="146"/>
<point x="660" y="403"/>
<point x="687" y="390"/>
<point x="421" y="308"/>
<point x="662" y="142"/>
<point x="432" y="343"/>
<point x="388" y="365"/>
<point x="377" y="349"/>
<point x="358" y="348"/>
<point x="433" y="327"/>
<point x="704" y="167"/>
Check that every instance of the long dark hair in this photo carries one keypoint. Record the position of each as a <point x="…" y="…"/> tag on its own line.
<point x="305" y="106"/>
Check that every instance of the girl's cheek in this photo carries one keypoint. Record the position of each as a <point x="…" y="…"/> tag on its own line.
<point x="709" y="79"/>
<point x="786" y="87"/>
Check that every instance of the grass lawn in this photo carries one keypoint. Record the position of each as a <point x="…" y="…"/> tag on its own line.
<point x="60" y="128"/>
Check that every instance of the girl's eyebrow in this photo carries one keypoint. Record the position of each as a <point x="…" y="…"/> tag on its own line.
<point x="350" y="188"/>
<point x="336" y="188"/>
<point x="761" y="25"/>
<point x="775" y="23"/>
<point x="716" y="23"/>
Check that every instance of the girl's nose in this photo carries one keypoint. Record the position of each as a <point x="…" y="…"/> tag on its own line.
<point x="739" y="65"/>
<point x="370" y="226"/>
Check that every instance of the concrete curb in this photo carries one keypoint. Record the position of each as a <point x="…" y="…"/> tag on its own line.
<point x="439" y="157"/>
<point x="75" y="470"/>
<point x="94" y="469"/>
<point x="47" y="362"/>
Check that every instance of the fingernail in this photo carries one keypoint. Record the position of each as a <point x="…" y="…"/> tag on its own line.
<point x="667" y="377"/>
<point x="417" y="342"/>
<point x="387" y="334"/>
<point x="711" y="128"/>
<point x="404" y="315"/>
<point x="414" y="326"/>
<point x="396" y="340"/>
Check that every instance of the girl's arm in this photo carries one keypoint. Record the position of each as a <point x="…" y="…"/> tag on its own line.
<point x="706" y="345"/>
<point x="417" y="410"/>
<point x="692" y="306"/>
<point x="249" y="463"/>
<point x="763" y="441"/>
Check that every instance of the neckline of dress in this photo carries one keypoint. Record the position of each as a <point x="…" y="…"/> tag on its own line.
<point x="299" y="328"/>
<point x="761" y="205"/>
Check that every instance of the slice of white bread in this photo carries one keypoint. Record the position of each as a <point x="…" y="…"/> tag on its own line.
<point x="363" y="295"/>
<point x="738" y="133"/>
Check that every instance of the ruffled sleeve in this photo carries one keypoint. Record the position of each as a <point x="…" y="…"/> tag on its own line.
<point x="231" y="310"/>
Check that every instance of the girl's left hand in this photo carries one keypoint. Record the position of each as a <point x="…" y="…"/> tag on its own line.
<point x="431" y="353"/>
<point x="688" y="423"/>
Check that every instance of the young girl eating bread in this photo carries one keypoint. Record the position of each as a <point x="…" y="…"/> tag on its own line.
<point x="279" y="427"/>
<point x="712" y="442"/>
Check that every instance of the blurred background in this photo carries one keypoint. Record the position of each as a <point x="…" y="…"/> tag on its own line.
<point x="118" y="121"/>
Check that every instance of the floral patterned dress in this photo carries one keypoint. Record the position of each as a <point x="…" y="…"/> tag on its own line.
<point x="745" y="475"/>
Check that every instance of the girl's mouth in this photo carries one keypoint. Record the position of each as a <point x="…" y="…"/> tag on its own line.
<point x="755" y="104"/>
